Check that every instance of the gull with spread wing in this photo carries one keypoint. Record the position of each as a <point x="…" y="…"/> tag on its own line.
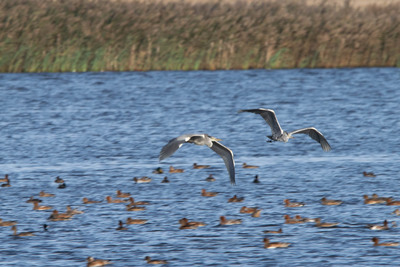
<point x="279" y="135"/>
<point x="201" y="139"/>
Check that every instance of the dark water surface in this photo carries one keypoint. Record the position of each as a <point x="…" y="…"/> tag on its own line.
<point x="99" y="130"/>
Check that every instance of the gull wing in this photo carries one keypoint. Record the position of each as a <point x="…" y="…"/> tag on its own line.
<point x="314" y="134"/>
<point x="227" y="155"/>
<point x="269" y="116"/>
<point x="173" y="145"/>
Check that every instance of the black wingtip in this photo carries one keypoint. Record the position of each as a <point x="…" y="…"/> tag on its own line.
<point x="326" y="147"/>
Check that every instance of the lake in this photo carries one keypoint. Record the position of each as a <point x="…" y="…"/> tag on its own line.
<point x="99" y="130"/>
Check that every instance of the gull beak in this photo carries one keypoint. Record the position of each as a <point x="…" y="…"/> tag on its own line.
<point x="214" y="138"/>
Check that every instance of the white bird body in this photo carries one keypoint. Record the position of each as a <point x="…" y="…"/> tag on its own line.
<point x="279" y="135"/>
<point x="201" y="139"/>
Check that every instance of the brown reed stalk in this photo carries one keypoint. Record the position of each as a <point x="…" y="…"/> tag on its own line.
<point x="119" y="35"/>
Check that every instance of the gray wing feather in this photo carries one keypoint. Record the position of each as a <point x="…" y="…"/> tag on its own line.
<point x="314" y="134"/>
<point x="269" y="116"/>
<point x="227" y="155"/>
<point x="173" y="146"/>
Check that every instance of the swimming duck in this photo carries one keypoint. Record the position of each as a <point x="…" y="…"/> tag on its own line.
<point x="195" y="166"/>
<point x="290" y="204"/>
<point x="224" y="221"/>
<point x="396" y="212"/>
<point x="56" y="216"/>
<point x="270" y="245"/>
<point x="256" y="213"/>
<point x="5" y="179"/>
<point x="110" y="200"/>
<point x="122" y="195"/>
<point x="45" y="226"/>
<point x="158" y="171"/>
<point x="7" y="182"/>
<point x="210" y="178"/>
<point x="289" y="220"/>
<point x="370" y="201"/>
<point x="330" y="202"/>
<point x="318" y="223"/>
<point x="188" y="226"/>
<point x="236" y="199"/>
<point x="379" y="227"/>
<point x="44" y="194"/>
<point x="173" y="170"/>
<point x="273" y="231"/>
<point x="92" y="262"/>
<point x="391" y="202"/>
<point x="369" y="174"/>
<point x="37" y="207"/>
<point x="256" y="181"/>
<point x="305" y="220"/>
<point x="375" y="196"/>
<point x="142" y="180"/>
<point x="7" y="223"/>
<point x="244" y="165"/>
<point x="121" y="226"/>
<point x="204" y="193"/>
<point x="150" y="261"/>
<point x="185" y="221"/>
<point x="385" y="244"/>
<point x="245" y="209"/>
<point x="134" y="208"/>
<point x="59" y="180"/>
<point x="62" y="186"/>
<point x="14" y="228"/>
<point x="129" y="220"/>
<point x="85" y="200"/>
<point x="165" y="180"/>
<point x="133" y="203"/>
<point x="31" y="200"/>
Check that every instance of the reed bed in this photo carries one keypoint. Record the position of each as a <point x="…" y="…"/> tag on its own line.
<point x="101" y="35"/>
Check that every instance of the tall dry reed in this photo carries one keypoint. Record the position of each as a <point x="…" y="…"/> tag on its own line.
<point x="103" y="35"/>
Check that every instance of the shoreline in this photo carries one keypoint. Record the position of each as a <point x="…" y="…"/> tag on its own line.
<point x="216" y="70"/>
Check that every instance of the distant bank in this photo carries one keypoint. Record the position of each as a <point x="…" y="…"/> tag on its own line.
<point x="122" y="35"/>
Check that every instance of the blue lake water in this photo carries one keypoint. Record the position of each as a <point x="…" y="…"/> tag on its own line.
<point x="99" y="130"/>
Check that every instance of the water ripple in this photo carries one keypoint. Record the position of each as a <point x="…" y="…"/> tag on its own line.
<point x="99" y="130"/>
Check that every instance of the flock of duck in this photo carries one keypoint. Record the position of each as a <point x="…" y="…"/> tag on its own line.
<point x="203" y="139"/>
<point x="278" y="134"/>
<point x="132" y="205"/>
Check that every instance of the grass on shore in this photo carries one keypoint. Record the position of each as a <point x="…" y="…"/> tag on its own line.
<point x="101" y="35"/>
